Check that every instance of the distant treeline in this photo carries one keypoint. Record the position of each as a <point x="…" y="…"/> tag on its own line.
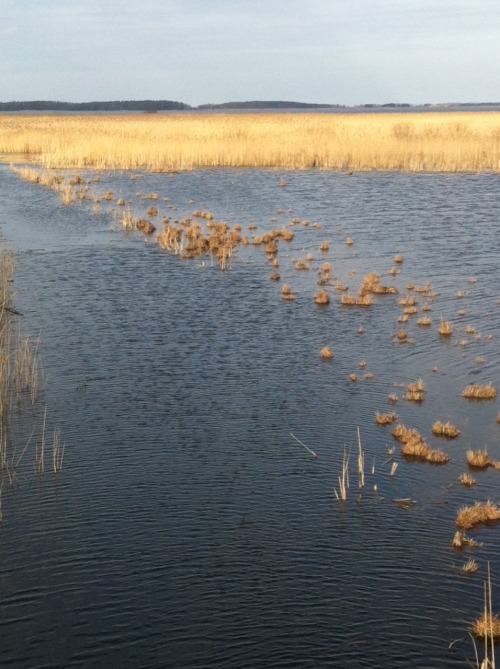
<point x="152" y="106"/>
<point x="267" y="104"/>
<point x="113" y="105"/>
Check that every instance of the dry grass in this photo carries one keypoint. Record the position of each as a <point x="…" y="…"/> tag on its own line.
<point x="385" y="418"/>
<point x="425" y="321"/>
<point x="322" y="297"/>
<point x="445" y="430"/>
<point x="415" y="447"/>
<point x="462" y="540"/>
<point x="478" y="392"/>
<point x="326" y="353"/>
<point x="470" y="567"/>
<point x="445" y="328"/>
<point x="480" y="513"/>
<point x="415" y="391"/>
<point x="410" y="142"/>
<point x="487" y="625"/>
<point x="353" y="301"/>
<point x="481" y="460"/>
<point x="467" y="480"/>
<point x="371" y="284"/>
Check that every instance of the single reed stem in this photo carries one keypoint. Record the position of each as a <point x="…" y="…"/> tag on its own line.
<point x="361" y="463"/>
<point x="306" y="447"/>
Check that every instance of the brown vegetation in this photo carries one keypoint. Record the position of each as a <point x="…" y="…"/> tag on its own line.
<point x="478" y="392"/>
<point x="445" y="430"/>
<point x="480" y="513"/>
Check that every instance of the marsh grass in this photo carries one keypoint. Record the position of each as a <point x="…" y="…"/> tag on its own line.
<point x="462" y="540"/>
<point x="437" y="142"/>
<point x="480" y="513"/>
<point x="479" y="392"/>
<point x="414" y="447"/>
<point x="445" y="430"/>
<point x="487" y="627"/>
<point x="385" y="418"/>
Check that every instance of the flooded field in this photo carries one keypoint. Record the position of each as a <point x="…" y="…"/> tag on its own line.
<point x="190" y="526"/>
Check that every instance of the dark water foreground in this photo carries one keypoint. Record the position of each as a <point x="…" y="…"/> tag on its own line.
<point x="188" y="528"/>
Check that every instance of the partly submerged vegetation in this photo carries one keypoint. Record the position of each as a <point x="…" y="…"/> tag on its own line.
<point x="437" y="142"/>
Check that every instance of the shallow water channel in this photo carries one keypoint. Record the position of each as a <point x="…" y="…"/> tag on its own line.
<point x="188" y="528"/>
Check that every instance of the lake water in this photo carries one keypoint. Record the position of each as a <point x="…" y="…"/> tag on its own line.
<point x="188" y="528"/>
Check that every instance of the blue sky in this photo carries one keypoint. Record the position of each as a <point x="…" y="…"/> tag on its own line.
<point x="195" y="51"/>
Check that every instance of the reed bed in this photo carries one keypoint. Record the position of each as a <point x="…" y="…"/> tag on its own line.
<point x="480" y="513"/>
<point x="479" y="392"/>
<point x="445" y="430"/>
<point x="416" y="448"/>
<point x="470" y="567"/>
<point x="354" y="301"/>
<point x="467" y="480"/>
<point x="385" y="418"/>
<point x="458" y="142"/>
<point x="462" y="540"/>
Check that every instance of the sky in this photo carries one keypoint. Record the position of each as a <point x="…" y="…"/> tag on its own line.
<point x="344" y="52"/>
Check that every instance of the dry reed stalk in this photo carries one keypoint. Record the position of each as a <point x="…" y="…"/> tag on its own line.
<point x="341" y="286"/>
<point x="344" y="479"/>
<point x="361" y="462"/>
<point x="324" y="246"/>
<point x="40" y="454"/>
<point x="385" y="418"/>
<point x="349" y="241"/>
<point x="398" y="259"/>
<point x="275" y="277"/>
<point x="57" y="451"/>
<point x="445" y="430"/>
<point x="322" y="297"/>
<point x="410" y="311"/>
<point x="326" y="353"/>
<point x="425" y="321"/>
<point x="306" y="447"/>
<point x="480" y="513"/>
<point x="487" y="627"/>
<point x="26" y="365"/>
<point x="394" y="467"/>
<point x="353" y="377"/>
<point x="462" y="540"/>
<point x="128" y="220"/>
<point x="479" y="392"/>
<point x="393" y="398"/>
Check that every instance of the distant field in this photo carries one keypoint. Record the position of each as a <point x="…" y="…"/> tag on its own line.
<point x="434" y="142"/>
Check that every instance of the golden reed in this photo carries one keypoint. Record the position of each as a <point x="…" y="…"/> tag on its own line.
<point x="414" y="142"/>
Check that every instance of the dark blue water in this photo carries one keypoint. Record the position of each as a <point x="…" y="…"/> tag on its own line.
<point x="188" y="528"/>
